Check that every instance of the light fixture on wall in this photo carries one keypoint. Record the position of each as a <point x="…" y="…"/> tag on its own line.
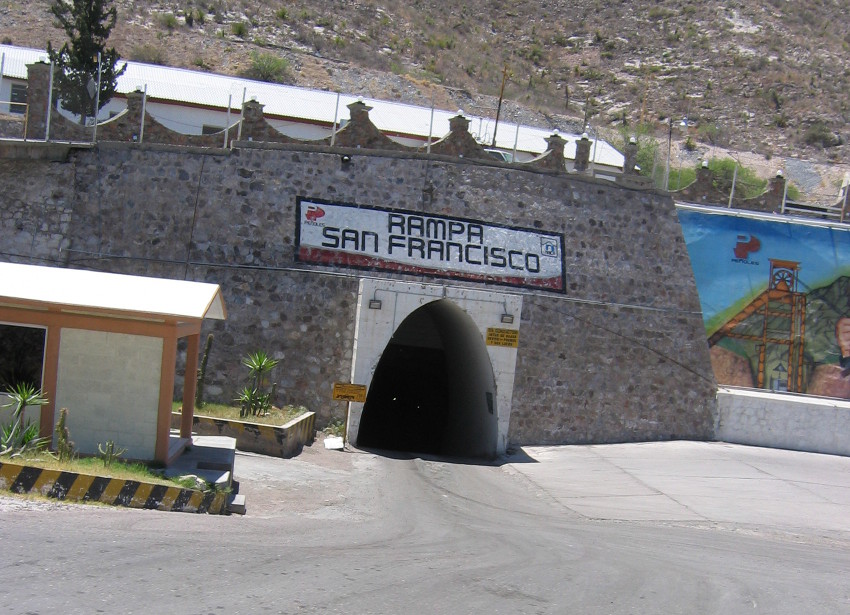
<point x="507" y="318"/>
<point x="374" y="302"/>
<point x="345" y="158"/>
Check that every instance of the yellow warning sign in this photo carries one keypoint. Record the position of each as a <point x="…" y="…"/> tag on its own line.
<point x="503" y="337"/>
<point x="349" y="392"/>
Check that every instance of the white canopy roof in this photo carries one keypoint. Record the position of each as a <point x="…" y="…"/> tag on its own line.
<point x="122" y="295"/>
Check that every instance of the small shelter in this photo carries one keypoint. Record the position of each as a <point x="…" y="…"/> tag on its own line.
<point x="111" y="351"/>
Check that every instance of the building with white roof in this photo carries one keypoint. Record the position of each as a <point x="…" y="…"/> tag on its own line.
<point x="194" y="102"/>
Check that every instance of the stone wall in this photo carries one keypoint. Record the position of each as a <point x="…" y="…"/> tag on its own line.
<point x="620" y="356"/>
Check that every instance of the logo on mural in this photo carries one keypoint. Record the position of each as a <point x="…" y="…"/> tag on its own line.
<point x="314" y="212"/>
<point x="549" y="247"/>
<point x="747" y="244"/>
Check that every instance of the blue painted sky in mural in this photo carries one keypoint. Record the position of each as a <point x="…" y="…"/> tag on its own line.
<point x="730" y="253"/>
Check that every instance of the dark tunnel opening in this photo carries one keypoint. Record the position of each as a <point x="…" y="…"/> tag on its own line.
<point x="433" y="388"/>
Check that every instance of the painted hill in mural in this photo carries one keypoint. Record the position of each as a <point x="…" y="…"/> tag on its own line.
<point x="735" y="348"/>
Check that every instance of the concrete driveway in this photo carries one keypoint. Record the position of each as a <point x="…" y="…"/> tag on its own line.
<point x="695" y="482"/>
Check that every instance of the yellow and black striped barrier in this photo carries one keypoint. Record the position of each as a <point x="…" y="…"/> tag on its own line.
<point x="115" y="491"/>
<point x="277" y="441"/>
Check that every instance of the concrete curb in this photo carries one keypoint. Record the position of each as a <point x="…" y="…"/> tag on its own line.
<point x="114" y="491"/>
<point x="284" y="441"/>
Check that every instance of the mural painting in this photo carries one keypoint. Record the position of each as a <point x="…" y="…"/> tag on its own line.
<point x="775" y="296"/>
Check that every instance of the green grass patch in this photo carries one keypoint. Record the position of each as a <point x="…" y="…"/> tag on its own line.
<point x="275" y="416"/>
<point x="95" y="466"/>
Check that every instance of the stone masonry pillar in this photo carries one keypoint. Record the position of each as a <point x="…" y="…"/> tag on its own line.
<point x="630" y="157"/>
<point x="775" y="192"/>
<point x="38" y="87"/>
<point x="582" y="153"/>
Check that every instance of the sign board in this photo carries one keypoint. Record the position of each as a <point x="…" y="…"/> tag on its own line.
<point x="508" y="338"/>
<point x="349" y="392"/>
<point x="424" y="244"/>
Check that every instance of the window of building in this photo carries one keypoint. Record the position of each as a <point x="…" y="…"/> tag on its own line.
<point x="18" y="99"/>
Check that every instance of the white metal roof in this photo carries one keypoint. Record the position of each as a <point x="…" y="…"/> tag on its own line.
<point x="180" y="85"/>
<point x="127" y="295"/>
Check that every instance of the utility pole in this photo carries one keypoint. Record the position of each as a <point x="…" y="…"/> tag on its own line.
<point x="499" y="108"/>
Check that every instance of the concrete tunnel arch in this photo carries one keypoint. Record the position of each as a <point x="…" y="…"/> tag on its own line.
<point x="433" y="390"/>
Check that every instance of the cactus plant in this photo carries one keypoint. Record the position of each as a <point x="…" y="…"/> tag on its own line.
<point x="110" y="453"/>
<point x="64" y="446"/>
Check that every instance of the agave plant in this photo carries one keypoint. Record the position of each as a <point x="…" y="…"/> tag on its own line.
<point x="254" y="399"/>
<point x="17" y="436"/>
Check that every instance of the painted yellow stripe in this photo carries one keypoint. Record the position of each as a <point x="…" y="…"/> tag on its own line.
<point x="141" y="495"/>
<point x="8" y="474"/>
<point x="80" y="487"/>
<point x="218" y="503"/>
<point x="113" y="488"/>
<point x="168" y="498"/>
<point x="45" y="481"/>
<point x="194" y="501"/>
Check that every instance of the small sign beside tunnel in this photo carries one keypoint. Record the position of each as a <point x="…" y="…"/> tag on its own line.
<point x="344" y="391"/>
<point x="502" y="337"/>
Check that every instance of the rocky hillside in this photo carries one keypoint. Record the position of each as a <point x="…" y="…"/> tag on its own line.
<point x="768" y="77"/>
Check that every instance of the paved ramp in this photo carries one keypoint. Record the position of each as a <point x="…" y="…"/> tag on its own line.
<point x="696" y="482"/>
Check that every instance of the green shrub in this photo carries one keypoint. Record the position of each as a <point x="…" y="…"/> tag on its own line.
<point x="150" y="54"/>
<point x="167" y="20"/>
<point x="819" y="134"/>
<point x="747" y="183"/>
<point x="256" y="397"/>
<point x="268" y="67"/>
<point x="682" y="177"/>
<point x="282" y="14"/>
<point x="239" y="28"/>
<point x="18" y="437"/>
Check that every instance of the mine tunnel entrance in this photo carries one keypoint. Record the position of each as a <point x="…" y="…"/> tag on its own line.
<point x="433" y="390"/>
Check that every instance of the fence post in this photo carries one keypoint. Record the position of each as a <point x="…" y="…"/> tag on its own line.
<point x="431" y="125"/>
<point x="49" y="105"/>
<point x="241" y="115"/>
<point x="142" y="121"/>
<point x="227" y="123"/>
<point x="2" y="66"/>
<point x="734" y="177"/>
<point x="336" y="117"/>
<point x="516" y="140"/>
<point x="96" y="100"/>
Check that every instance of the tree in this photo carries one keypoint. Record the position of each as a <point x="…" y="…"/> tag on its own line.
<point x="87" y="24"/>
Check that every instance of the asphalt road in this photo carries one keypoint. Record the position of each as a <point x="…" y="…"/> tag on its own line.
<point x="581" y="530"/>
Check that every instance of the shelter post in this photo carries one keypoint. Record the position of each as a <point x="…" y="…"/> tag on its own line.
<point x="166" y="393"/>
<point x="49" y="380"/>
<point x="190" y="383"/>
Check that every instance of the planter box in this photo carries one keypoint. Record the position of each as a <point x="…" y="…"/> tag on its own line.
<point x="285" y="441"/>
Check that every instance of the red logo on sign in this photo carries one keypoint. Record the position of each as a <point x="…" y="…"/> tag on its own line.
<point x="314" y="213"/>
<point x="746" y="245"/>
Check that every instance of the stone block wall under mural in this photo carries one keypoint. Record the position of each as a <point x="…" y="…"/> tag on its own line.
<point x="618" y="354"/>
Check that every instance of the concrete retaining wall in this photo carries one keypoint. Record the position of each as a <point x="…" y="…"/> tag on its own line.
<point x="780" y="420"/>
<point x="285" y="441"/>
<point x="619" y="356"/>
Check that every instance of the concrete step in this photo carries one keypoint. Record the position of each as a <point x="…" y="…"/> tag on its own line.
<point x="236" y="505"/>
